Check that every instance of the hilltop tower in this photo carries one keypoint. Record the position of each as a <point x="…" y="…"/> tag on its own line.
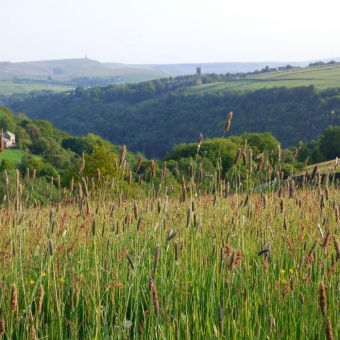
<point x="198" y="70"/>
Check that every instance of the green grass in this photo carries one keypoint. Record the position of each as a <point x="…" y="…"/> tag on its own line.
<point x="13" y="155"/>
<point x="93" y="250"/>
<point x="321" y="77"/>
<point x="10" y="87"/>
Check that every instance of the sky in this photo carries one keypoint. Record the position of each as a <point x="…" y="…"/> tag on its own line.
<point x="169" y="31"/>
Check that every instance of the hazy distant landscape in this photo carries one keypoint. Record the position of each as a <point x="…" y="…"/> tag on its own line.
<point x="178" y="174"/>
<point x="62" y="75"/>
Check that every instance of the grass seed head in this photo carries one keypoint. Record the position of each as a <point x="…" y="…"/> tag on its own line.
<point x="40" y="299"/>
<point x="155" y="299"/>
<point x="228" y="121"/>
<point x="237" y="156"/>
<point x="337" y="246"/>
<point x="122" y="155"/>
<point x="51" y="246"/>
<point x="33" y="334"/>
<point x="2" y="327"/>
<point x="329" y="329"/>
<point x="153" y="168"/>
<point x="138" y="164"/>
<point x="322" y="298"/>
<point x="14" y="299"/>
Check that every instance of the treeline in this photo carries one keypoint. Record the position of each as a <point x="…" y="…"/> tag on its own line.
<point x="60" y="160"/>
<point x="321" y="63"/>
<point x="146" y="117"/>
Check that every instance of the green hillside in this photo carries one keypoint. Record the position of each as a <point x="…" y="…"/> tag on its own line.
<point x="45" y="75"/>
<point x="148" y="118"/>
<point x="9" y="87"/>
<point x="68" y="69"/>
<point x="321" y="77"/>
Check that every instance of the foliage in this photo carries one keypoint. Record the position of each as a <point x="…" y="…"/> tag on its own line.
<point x="104" y="160"/>
<point x="152" y="122"/>
<point x="112" y="262"/>
<point x="329" y="143"/>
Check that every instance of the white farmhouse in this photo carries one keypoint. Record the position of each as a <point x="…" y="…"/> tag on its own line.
<point x="9" y="139"/>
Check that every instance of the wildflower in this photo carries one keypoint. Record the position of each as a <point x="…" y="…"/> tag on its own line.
<point x="282" y="271"/>
<point x="62" y="280"/>
<point x="291" y="271"/>
<point x="43" y="274"/>
<point x="284" y="282"/>
<point x="31" y="282"/>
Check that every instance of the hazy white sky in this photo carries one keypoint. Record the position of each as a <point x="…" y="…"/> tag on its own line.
<point x="169" y="31"/>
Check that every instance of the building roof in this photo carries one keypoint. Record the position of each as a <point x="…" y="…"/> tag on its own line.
<point x="10" y="134"/>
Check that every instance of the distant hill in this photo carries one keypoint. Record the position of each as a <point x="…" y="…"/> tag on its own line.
<point x="67" y="70"/>
<point x="223" y="68"/>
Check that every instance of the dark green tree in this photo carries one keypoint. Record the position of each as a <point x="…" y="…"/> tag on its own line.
<point x="330" y="142"/>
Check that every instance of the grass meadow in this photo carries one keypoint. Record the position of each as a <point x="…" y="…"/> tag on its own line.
<point x="12" y="155"/>
<point x="9" y="87"/>
<point x="321" y="77"/>
<point x="247" y="256"/>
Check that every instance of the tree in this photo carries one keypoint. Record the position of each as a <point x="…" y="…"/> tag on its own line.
<point x="330" y="142"/>
<point x="8" y="121"/>
<point x="103" y="159"/>
<point x="34" y="131"/>
<point x="42" y="145"/>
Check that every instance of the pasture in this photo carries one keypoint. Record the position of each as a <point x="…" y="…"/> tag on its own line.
<point x="12" y="155"/>
<point x="321" y="77"/>
<point x="9" y="87"/>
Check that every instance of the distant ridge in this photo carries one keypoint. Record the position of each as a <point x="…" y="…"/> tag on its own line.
<point x="68" y="69"/>
<point x="224" y="67"/>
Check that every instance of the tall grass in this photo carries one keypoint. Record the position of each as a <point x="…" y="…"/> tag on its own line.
<point x="109" y="262"/>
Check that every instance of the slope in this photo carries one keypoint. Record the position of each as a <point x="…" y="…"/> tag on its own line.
<point x="321" y="77"/>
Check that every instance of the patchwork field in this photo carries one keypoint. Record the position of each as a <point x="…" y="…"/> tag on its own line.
<point x="321" y="77"/>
